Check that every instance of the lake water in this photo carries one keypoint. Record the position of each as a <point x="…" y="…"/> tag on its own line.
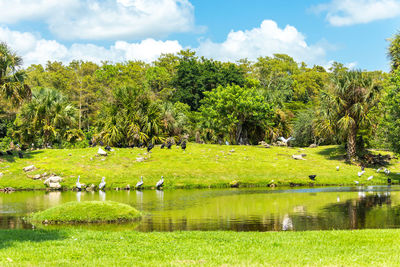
<point x="276" y="209"/>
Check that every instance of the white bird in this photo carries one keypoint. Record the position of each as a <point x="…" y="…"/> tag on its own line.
<point x="337" y="168"/>
<point x="160" y="183"/>
<point x="360" y="173"/>
<point x="78" y="184"/>
<point x="357" y="182"/>
<point x="386" y="171"/>
<point x="227" y="143"/>
<point x="102" y="184"/>
<point x="370" y="178"/>
<point x="284" y="140"/>
<point x="140" y="183"/>
<point x="378" y="170"/>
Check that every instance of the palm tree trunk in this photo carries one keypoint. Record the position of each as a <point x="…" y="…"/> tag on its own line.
<point x="351" y="143"/>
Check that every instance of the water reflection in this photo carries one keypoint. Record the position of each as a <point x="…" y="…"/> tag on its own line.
<point x="226" y="209"/>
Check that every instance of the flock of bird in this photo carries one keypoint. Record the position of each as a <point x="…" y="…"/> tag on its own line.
<point x="360" y="173"/>
<point x="150" y="146"/>
<point x="138" y="186"/>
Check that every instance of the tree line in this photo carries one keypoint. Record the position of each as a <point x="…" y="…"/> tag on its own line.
<point x="183" y="95"/>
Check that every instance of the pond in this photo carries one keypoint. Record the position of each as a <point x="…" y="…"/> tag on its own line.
<point x="247" y="209"/>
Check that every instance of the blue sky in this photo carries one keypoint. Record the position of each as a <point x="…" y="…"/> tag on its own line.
<point x="353" y="32"/>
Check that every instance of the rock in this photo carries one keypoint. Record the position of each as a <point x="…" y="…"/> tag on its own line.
<point x="9" y="189"/>
<point x="52" y="179"/>
<point x="140" y="159"/>
<point x="233" y="150"/>
<point x="298" y="157"/>
<point x="264" y="144"/>
<point x="101" y="152"/>
<point x="54" y="185"/>
<point x="304" y="155"/>
<point x="91" y="187"/>
<point x="313" y="146"/>
<point x="29" y="168"/>
<point x="69" y="154"/>
<point x="36" y="177"/>
<point x="234" y="184"/>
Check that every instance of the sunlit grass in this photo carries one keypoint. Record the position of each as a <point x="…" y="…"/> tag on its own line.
<point x="199" y="166"/>
<point x="128" y="248"/>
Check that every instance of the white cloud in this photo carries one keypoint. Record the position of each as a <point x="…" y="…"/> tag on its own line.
<point x="266" y="40"/>
<point x="349" y="12"/>
<point x="35" y="50"/>
<point x="108" y="19"/>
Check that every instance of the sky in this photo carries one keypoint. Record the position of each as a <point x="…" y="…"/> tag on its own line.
<point x="317" y="32"/>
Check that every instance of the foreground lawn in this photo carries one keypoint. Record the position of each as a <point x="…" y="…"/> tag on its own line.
<point x="128" y="248"/>
<point x="199" y="166"/>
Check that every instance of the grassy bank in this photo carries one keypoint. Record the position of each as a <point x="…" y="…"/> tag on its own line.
<point x="199" y="166"/>
<point x="86" y="212"/>
<point x="127" y="248"/>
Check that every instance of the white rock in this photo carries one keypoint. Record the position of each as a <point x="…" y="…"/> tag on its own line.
<point x="101" y="152"/>
<point x="54" y="185"/>
<point x="140" y="159"/>
<point x="52" y="179"/>
<point x="36" y="177"/>
<point x="29" y="168"/>
<point x="298" y="157"/>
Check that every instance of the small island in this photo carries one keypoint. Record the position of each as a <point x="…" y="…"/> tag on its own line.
<point x="86" y="212"/>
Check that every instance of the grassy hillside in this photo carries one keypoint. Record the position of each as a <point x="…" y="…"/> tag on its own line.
<point x="199" y="166"/>
<point x="70" y="247"/>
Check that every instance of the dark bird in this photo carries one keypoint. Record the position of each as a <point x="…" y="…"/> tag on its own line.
<point x="162" y="145"/>
<point x="389" y="180"/>
<point x="183" y="145"/>
<point x="312" y="177"/>
<point x="160" y="183"/>
<point x="150" y="147"/>
<point x="90" y="143"/>
<point x="9" y="152"/>
<point x="169" y="144"/>
<point x="20" y="155"/>
<point x="362" y="167"/>
<point x="108" y="148"/>
<point x="132" y="146"/>
<point x="140" y="145"/>
<point x="179" y="142"/>
<point x="94" y="144"/>
<point x="101" y="143"/>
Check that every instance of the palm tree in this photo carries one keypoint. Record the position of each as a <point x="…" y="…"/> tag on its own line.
<point x="11" y="77"/>
<point x="346" y="106"/>
<point x="48" y="116"/>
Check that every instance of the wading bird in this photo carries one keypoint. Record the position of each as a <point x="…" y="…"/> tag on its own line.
<point x="162" y="145"/>
<point x="102" y="184"/>
<point x="160" y="183"/>
<point x="312" y="177"/>
<point x="387" y="171"/>
<point x="108" y="148"/>
<point x="140" y="183"/>
<point x="20" y="155"/>
<point x="179" y="142"/>
<point x="150" y="147"/>
<point x="78" y="184"/>
<point x="183" y="145"/>
<point x="337" y="168"/>
<point x="284" y="140"/>
<point x="378" y="170"/>
<point x="356" y="182"/>
<point x="169" y="144"/>
<point x="9" y="152"/>
<point x="389" y="180"/>
<point x="370" y="178"/>
<point x="360" y="173"/>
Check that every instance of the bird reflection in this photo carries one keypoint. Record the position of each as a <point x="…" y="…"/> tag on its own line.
<point x="160" y="195"/>
<point x="338" y="199"/>
<point x="102" y="195"/>
<point x="287" y="223"/>
<point x="78" y="196"/>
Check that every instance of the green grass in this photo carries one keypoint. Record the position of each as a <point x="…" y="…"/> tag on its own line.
<point x="71" y="247"/>
<point x="199" y="166"/>
<point x="86" y="212"/>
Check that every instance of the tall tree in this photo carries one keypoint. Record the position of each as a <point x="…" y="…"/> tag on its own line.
<point x="347" y="106"/>
<point x="12" y="78"/>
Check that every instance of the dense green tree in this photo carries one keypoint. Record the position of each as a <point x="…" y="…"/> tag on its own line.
<point x="240" y="112"/>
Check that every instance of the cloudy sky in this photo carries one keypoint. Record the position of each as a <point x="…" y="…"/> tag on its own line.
<point x="353" y="32"/>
